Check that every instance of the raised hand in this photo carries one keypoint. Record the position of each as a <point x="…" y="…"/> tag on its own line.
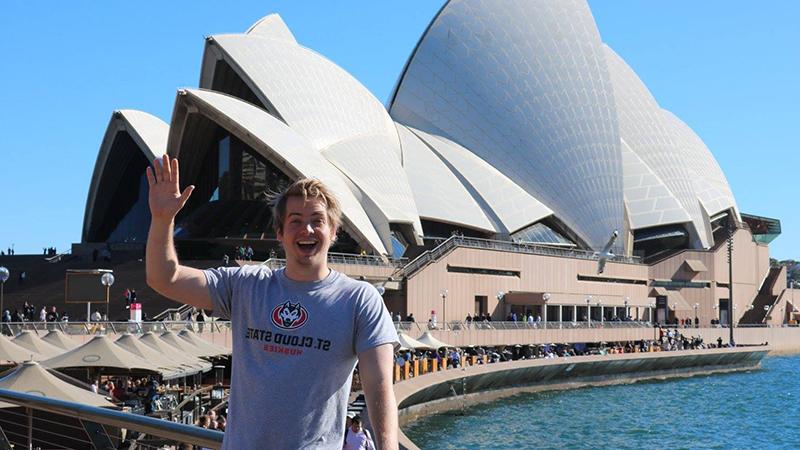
<point x="165" y="197"/>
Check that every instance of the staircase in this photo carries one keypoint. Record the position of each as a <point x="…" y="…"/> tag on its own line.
<point x="758" y="314"/>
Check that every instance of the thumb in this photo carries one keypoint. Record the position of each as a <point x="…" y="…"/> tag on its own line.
<point x="186" y="194"/>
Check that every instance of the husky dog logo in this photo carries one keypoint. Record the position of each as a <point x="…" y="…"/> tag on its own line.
<point x="289" y="316"/>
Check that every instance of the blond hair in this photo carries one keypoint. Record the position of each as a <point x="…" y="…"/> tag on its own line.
<point x="307" y="188"/>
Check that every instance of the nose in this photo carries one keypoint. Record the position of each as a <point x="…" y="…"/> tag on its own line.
<point x="309" y="228"/>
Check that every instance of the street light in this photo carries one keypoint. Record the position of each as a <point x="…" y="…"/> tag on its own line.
<point x="589" y="310"/>
<point x="696" y="319"/>
<point x="545" y="298"/>
<point x="107" y="280"/>
<point x="444" y="307"/>
<point x="4" y="273"/>
<point x="731" y="230"/>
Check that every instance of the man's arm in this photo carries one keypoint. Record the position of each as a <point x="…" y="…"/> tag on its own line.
<point x="375" y="368"/>
<point x="164" y="274"/>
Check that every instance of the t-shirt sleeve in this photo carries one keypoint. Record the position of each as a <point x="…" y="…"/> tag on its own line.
<point x="374" y="325"/>
<point x="224" y="285"/>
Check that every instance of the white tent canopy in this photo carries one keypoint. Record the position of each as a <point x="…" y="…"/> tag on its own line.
<point x="59" y="339"/>
<point x="428" y="339"/>
<point x="171" y="368"/>
<point x="33" y="342"/>
<point x="153" y="341"/>
<point x="10" y="351"/>
<point x="209" y="348"/>
<point x="409" y="343"/>
<point x="32" y="378"/>
<point x="101" y="352"/>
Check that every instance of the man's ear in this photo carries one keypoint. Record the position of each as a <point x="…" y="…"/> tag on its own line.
<point x="334" y="234"/>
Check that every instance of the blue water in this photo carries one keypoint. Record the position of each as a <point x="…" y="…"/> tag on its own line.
<point x="754" y="409"/>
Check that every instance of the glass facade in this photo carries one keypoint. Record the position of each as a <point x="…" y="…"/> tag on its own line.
<point x="540" y="233"/>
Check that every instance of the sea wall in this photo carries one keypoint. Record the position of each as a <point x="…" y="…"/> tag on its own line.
<point x="456" y="388"/>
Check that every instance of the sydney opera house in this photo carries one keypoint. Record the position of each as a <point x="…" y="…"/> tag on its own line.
<point x="514" y="146"/>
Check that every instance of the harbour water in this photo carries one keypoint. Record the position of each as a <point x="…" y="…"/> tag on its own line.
<point x="753" y="409"/>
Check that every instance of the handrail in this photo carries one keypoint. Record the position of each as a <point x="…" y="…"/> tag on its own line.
<point x="156" y="427"/>
<point x="181" y="309"/>
<point x="507" y="246"/>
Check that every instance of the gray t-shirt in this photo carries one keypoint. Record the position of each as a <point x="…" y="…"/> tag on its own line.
<point x="295" y="345"/>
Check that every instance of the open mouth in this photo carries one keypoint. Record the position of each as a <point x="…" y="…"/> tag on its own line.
<point x="308" y="246"/>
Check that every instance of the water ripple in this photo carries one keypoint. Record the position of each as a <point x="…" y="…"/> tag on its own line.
<point x="754" y="409"/>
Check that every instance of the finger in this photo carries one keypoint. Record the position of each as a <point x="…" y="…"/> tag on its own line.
<point x="166" y="169"/>
<point x="151" y="179"/>
<point x="175" y="173"/>
<point x="186" y="194"/>
<point x="157" y="169"/>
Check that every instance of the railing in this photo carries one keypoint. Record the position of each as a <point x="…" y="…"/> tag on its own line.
<point x="505" y="246"/>
<point x="347" y="258"/>
<point x="104" y="327"/>
<point x="91" y="427"/>
<point x="420" y="327"/>
<point x="168" y="313"/>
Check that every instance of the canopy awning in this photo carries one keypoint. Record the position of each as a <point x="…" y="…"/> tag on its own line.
<point x="101" y="351"/>
<point x="431" y="341"/>
<point x="10" y="351"/>
<point x="32" y="378"/>
<point x="409" y="343"/>
<point x="171" y="368"/>
<point x="33" y="342"/>
<point x="209" y="348"/>
<point x="59" y="339"/>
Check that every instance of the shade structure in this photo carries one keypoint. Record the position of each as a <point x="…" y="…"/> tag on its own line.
<point x="33" y="342"/>
<point x="409" y="343"/>
<point x="153" y="341"/>
<point x="32" y="378"/>
<point x="209" y="348"/>
<point x="182" y="345"/>
<point x="428" y="339"/>
<point x="171" y="368"/>
<point x="10" y="351"/>
<point x="59" y="339"/>
<point x="102" y="352"/>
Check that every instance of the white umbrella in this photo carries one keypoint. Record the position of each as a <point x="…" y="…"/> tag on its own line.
<point x="33" y="342"/>
<point x="32" y="378"/>
<point x="431" y="341"/>
<point x="59" y="339"/>
<point x="10" y="351"/>
<point x="407" y="342"/>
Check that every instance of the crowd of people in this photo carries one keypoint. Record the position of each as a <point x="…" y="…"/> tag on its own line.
<point x="668" y="340"/>
<point x="133" y="392"/>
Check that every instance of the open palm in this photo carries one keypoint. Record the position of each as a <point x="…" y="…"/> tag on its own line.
<point x="165" y="197"/>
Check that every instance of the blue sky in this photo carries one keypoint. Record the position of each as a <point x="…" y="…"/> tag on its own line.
<point x="727" y="68"/>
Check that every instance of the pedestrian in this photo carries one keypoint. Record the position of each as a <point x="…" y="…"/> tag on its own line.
<point x="357" y="438"/>
<point x="337" y="321"/>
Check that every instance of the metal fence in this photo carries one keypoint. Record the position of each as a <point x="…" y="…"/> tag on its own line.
<point x="420" y="327"/>
<point x="41" y="422"/>
<point x="104" y="327"/>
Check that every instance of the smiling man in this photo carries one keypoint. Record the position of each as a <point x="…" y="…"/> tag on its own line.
<point x="297" y="332"/>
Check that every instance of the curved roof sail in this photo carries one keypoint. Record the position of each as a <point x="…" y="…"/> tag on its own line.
<point x="525" y="88"/>
<point x="149" y="137"/>
<point x="645" y="129"/>
<point x="280" y="145"/>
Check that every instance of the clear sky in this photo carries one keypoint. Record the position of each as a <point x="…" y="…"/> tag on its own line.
<point x="728" y="68"/>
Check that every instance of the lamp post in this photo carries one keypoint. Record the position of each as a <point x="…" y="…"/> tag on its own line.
<point x="107" y="280"/>
<point x="545" y="298"/>
<point x="589" y="310"/>
<point x="696" y="319"/>
<point x="4" y="273"/>
<point x="731" y="230"/>
<point x="602" y="315"/>
<point x="625" y="310"/>
<point x="444" y="308"/>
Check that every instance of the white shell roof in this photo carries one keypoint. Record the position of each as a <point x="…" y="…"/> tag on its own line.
<point x="524" y="87"/>
<point x="710" y="183"/>
<point x="501" y="198"/>
<point x="314" y="96"/>
<point x="272" y="27"/>
<point x="287" y="150"/>
<point x="370" y="164"/>
<point x="147" y="131"/>
<point x="644" y="127"/>
<point x="650" y="202"/>
<point x="437" y="190"/>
